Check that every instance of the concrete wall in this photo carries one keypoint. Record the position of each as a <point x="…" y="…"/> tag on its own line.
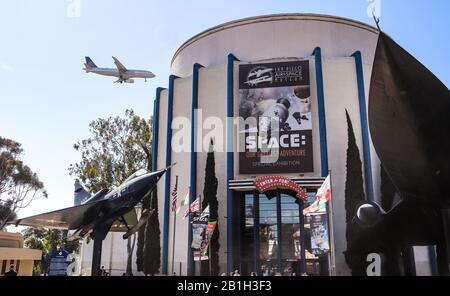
<point x="181" y="138"/>
<point x="114" y="255"/>
<point x="212" y="102"/>
<point x="340" y="89"/>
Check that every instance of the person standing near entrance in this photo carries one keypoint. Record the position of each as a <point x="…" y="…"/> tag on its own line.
<point x="11" y="271"/>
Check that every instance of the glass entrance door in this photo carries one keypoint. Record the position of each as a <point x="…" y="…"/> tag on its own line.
<point x="270" y="236"/>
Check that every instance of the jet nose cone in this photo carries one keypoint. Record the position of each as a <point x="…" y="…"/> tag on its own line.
<point x="149" y="180"/>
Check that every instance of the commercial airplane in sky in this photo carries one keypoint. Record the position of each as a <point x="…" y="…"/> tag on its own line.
<point x="122" y="73"/>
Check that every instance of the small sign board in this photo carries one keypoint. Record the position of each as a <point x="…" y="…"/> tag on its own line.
<point x="58" y="263"/>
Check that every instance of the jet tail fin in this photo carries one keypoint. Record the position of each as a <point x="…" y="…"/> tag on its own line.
<point x="89" y="63"/>
<point x="80" y="193"/>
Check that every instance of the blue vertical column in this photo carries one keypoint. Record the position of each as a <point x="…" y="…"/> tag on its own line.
<point x="256" y="251"/>
<point x="230" y="159"/>
<point x="165" y="249"/>
<point x="193" y="168"/>
<point x="321" y="106"/>
<point x="155" y="129"/>
<point x="364" y="126"/>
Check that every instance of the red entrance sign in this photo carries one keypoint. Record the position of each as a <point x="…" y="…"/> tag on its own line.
<point x="266" y="183"/>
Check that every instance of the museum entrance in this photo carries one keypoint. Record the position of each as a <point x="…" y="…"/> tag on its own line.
<point x="270" y="232"/>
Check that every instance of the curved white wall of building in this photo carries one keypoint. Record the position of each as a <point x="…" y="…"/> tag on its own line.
<point x="283" y="35"/>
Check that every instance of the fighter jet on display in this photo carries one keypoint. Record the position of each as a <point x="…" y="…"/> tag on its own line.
<point x="104" y="211"/>
<point x="122" y="73"/>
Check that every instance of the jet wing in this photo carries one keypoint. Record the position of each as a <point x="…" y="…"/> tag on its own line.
<point x="68" y="218"/>
<point x="119" y="65"/>
<point x="409" y="123"/>
<point x="130" y="220"/>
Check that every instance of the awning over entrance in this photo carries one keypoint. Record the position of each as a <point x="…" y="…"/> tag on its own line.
<point x="310" y="184"/>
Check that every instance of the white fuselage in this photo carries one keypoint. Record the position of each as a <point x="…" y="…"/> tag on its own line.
<point x="124" y="75"/>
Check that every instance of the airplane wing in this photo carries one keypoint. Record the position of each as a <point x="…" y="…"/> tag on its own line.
<point x="68" y="218"/>
<point x="119" y="65"/>
<point x="130" y="220"/>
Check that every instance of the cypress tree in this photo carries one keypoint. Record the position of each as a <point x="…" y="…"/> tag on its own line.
<point x="210" y="198"/>
<point x="152" y="244"/>
<point x="354" y="194"/>
<point x="141" y="239"/>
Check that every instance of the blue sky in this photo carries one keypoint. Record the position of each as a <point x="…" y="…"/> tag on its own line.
<point x="47" y="101"/>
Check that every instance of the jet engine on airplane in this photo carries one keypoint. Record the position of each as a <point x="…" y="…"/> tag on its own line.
<point x="129" y="80"/>
<point x="369" y="214"/>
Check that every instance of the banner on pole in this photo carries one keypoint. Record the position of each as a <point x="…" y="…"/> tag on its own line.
<point x="205" y="244"/>
<point x="199" y="225"/>
<point x="319" y="234"/>
<point x="199" y="233"/>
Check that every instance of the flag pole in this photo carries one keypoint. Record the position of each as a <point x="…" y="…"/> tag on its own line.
<point x="302" y="231"/>
<point x="330" y="228"/>
<point x="201" y="211"/>
<point x="209" y="250"/>
<point x="189" y="241"/>
<point x="173" y="239"/>
<point x="174" y="229"/>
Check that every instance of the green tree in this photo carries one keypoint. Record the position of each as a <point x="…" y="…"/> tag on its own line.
<point x="210" y="198"/>
<point x="119" y="146"/>
<point x="19" y="185"/>
<point x="354" y="194"/>
<point x="47" y="240"/>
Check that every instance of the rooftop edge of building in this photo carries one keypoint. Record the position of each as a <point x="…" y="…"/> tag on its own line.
<point x="269" y="18"/>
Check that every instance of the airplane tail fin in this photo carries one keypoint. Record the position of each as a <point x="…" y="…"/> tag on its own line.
<point x="90" y="64"/>
<point x="80" y="193"/>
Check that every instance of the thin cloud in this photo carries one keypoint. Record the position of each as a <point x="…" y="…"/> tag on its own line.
<point x="6" y="67"/>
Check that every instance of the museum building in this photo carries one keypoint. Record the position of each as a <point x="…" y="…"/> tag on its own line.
<point x="305" y="70"/>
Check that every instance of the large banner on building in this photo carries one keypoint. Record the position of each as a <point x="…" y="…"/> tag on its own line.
<point x="277" y="97"/>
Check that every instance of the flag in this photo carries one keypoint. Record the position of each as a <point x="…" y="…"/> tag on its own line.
<point x="194" y="207"/>
<point x="184" y="201"/>
<point x="324" y="192"/>
<point x="175" y="196"/>
<point x="323" y="195"/>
